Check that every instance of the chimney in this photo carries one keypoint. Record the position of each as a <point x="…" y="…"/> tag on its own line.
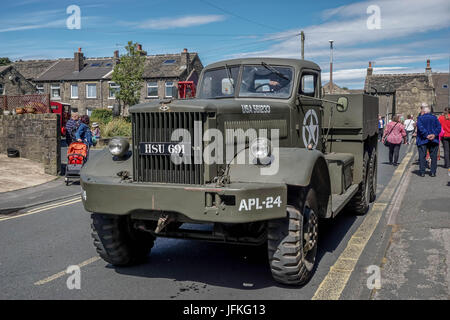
<point x="116" y="58"/>
<point x="370" y="69"/>
<point x="78" y="60"/>
<point x="185" y="59"/>
<point x="428" y="68"/>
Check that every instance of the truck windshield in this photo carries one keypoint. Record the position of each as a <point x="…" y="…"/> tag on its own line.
<point x="266" y="81"/>
<point x="219" y="83"/>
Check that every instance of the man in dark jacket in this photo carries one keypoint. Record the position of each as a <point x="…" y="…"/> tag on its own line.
<point x="71" y="128"/>
<point x="428" y="130"/>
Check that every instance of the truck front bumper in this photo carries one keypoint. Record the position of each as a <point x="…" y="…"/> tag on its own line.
<point x="235" y="203"/>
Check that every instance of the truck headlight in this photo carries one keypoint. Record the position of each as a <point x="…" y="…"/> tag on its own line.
<point x="261" y="148"/>
<point x="118" y="146"/>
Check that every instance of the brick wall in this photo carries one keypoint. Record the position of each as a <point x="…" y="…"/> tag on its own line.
<point x="36" y="136"/>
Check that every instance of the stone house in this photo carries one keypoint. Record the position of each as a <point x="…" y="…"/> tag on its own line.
<point x="405" y="93"/>
<point x="12" y="82"/>
<point x="86" y="83"/>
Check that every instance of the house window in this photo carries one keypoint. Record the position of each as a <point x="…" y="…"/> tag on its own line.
<point x="152" y="89"/>
<point x="74" y="91"/>
<point x="88" y="112"/>
<point x="91" y="90"/>
<point x="1" y="89"/>
<point x="55" y="91"/>
<point x="40" y="88"/>
<point x="113" y="89"/>
<point x="169" y="87"/>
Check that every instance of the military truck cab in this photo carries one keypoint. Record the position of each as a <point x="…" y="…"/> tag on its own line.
<point x="259" y="156"/>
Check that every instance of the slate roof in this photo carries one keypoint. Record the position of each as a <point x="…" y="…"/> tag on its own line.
<point x="156" y="68"/>
<point x="31" y="69"/>
<point x="94" y="69"/>
<point x="3" y="68"/>
<point x="389" y="83"/>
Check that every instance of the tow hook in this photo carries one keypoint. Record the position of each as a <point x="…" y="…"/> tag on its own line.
<point x="163" y="221"/>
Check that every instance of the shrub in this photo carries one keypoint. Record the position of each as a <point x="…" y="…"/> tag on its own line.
<point x="102" y="116"/>
<point x="116" y="127"/>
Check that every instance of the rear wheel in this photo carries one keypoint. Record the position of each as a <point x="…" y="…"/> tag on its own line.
<point x="117" y="242"/>
<point x="359" y="204"/>
<point x="292" y="242"/>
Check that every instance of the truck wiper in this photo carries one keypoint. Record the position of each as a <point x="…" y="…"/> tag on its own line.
<point x="278" y="73"/>
<point x="227" y="68"/>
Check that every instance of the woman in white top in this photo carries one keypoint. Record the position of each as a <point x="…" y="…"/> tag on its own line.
<point x="410" y="126"/>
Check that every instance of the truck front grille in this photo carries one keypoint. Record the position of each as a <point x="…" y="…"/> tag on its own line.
<point x="158" y="127"/>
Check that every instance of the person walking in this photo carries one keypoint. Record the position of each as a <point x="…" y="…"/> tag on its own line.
<point x="444" y="120"/>
<point x="409" y="128"/>
<point x="428" y="130"/>
<point x="71" y="127"/>
<point x="84" y="133"/>
<point x="380" y="127"/>
<point x="394" y="136"/>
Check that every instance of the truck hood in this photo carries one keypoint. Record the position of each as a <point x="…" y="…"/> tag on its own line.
<point x="218" y="106"/>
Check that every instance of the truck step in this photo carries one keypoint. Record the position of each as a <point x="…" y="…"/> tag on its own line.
<point x="338" y="201"/>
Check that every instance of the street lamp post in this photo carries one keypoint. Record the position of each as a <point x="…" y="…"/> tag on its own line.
<point x="331" y="66"/>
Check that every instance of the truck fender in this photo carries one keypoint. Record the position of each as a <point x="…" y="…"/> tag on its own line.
<point x="296" y="167"/>
<point x="102" y="164"/>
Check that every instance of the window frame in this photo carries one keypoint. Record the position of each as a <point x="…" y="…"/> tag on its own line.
<point x="316" y="84"/>
<point x="153" y="86"/>
<point x="2" y="89"/>
<point x="55" y="87"/>
<point x="165" y="89"/>
<point x="87" y="90"/>
<point x="71" y="91"/>
<point x="110" y="86"/>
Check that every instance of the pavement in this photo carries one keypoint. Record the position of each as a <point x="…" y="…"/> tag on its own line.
<point x="416" y="264"/>
<point x="19" y="173"/>
<point x="24" y="185"/>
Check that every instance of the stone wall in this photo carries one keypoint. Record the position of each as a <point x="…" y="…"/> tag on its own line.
<point x="36" y="136"/>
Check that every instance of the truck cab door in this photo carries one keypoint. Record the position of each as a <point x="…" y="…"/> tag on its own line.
<point x="309" y="111"/>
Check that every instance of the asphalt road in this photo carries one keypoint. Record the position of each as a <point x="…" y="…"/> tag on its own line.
<point x="37" y="248"/>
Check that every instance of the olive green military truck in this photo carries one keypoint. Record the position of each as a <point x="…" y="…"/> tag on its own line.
<point x="259" y="157"/>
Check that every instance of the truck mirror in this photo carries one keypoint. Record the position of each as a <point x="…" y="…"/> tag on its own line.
<point x="342" y="104"/>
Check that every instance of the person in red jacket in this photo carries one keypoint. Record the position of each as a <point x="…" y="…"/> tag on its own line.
<point x="445" y="124"/>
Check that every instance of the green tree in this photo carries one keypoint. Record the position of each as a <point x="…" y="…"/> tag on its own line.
<point x="128" y="75"/>
<point x="4" y="61"/>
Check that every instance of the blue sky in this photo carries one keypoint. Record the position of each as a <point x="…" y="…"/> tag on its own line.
<point x="410" y="31"/>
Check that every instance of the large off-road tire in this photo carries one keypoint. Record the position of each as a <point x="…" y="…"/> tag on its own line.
<point x="117" y="242"/>
<point x="359" y="204"/>
<point x="292" y="242"/>
<point x="373" y="175"/>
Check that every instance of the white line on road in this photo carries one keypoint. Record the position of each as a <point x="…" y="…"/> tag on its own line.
<point x="44" y="208"/>
<point x="63" y="273"/>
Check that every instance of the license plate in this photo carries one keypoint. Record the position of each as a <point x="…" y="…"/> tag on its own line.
<point x="162" y="148"/>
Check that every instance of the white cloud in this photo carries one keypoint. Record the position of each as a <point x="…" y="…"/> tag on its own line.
<point x="180" y="22"/>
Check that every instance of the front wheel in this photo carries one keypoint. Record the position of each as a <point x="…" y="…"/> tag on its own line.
<point x="292" y="242"/>
<point x="117" y="242"/>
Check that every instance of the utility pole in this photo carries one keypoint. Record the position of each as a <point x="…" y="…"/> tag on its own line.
<point x="302" y="37"/>
<point x="331" y="66"/>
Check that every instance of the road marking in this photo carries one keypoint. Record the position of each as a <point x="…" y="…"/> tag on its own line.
<point x="44" y="208"/>
<point x="336" y="280"/>
<point x="63" y="273"/>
